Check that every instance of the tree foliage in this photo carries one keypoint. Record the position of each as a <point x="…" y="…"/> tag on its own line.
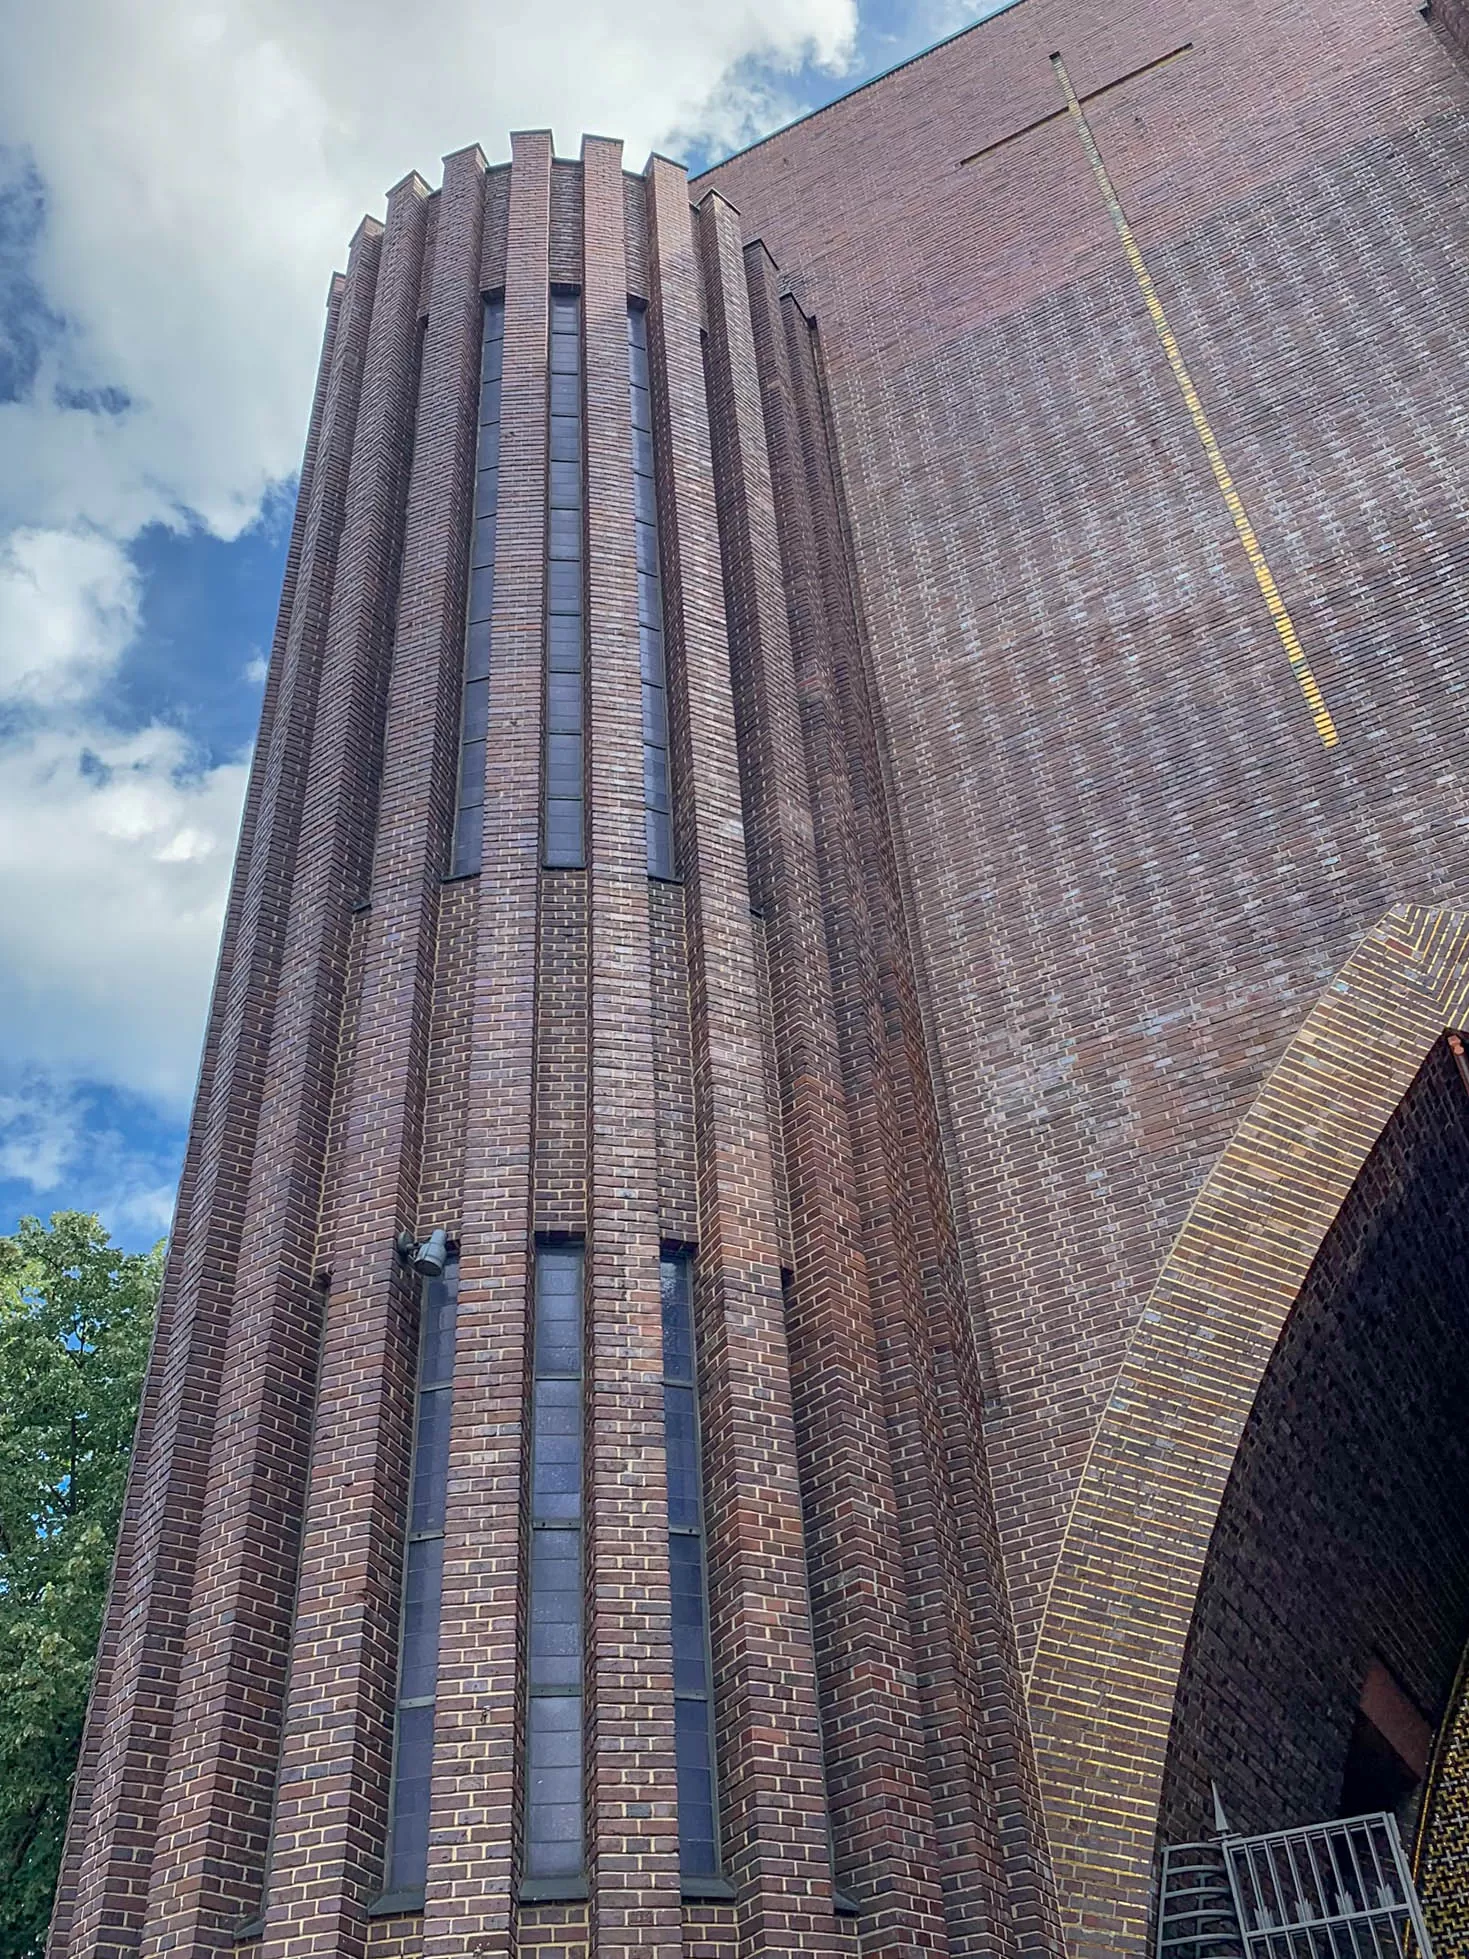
<point x="75" y="1318"/>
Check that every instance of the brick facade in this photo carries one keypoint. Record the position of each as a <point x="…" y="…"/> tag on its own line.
<point x="1042" y="1031"/>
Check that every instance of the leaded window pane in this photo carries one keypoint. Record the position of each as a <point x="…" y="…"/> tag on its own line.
<point x="422" y="1586"/>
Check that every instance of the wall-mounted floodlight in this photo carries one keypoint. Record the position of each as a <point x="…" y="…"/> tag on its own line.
<point x="429" y="1258"/>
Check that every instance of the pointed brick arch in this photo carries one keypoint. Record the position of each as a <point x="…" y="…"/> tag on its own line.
<point x="1107" y="1663"/>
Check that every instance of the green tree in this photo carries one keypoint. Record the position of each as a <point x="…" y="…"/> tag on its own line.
<point x="75" y="1318"/>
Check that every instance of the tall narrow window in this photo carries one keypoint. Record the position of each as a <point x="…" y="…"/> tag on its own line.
<point x="693" y="1699"/>
<point x="423" y="1570"/>
<point x="657" y="804"/>
<point x="564" y="630"/>
<point x="469" y="818"/>
<point x="553" y="1835"/>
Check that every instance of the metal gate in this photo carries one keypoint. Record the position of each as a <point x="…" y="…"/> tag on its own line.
<point x="1326" y="1891"/>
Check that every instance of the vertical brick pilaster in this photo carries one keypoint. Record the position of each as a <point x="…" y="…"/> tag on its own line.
<point x="767" y="1714"/>
<point x="133" y="1759"/>
<point x="331" y="1816"/>
<point x="635" y="1907"/>
<point x="217" y="1805"/>
<point x="981" y="1772"/>
<point x="101" y="1705"/>
<point x="473" y="1820"/>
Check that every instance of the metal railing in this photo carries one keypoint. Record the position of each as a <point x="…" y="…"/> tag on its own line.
<point x="1326" y="1891"/>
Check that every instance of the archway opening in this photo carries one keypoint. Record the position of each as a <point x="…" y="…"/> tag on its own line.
<point x="1334" y="1604"/>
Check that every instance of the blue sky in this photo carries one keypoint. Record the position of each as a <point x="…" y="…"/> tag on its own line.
<point x="178" y="178"/>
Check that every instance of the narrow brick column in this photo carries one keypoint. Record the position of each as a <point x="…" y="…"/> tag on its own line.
<point x="101" y="1699"/>
<point x="217" y="1805"/>
<point x="872" y="1717"/>
<point x="765" y="1678"/>
<point x="473" y="1822"/>
<point x="630" y="1738"/>
<point x="113" y="1883"/>
<point x="331" y="1820"/>
<point x="981" y="1772"/>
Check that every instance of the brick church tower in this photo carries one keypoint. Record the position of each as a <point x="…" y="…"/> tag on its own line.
<point x="818" y="1296"/>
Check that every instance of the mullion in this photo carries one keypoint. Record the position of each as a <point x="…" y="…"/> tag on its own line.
<point x="555" y="1823"/>
<point x="468" y="846"/>
<point x="421" y="1607"/>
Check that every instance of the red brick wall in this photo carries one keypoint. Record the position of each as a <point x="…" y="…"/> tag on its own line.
<point x="1131" y="861"/>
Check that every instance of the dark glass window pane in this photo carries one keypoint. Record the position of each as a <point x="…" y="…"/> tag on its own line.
<point x="472" y="775"/>
<point x="430" y="1460"/>
<point x="492" y="359"/>
<point x="563" y="765"/>
<point x="558" y="1323"/>
<point x="440" y="1305"/>
<point x="644" y="500"/>
<point x="489" y="401"/>
<point x="650" y="612"/>
<point x="564" y="535"/>
<point x="468" y="841"/>
<point x="563" y="588"/>
<point x="655" y="716"/>
<point x="484" y="540"/>
<point x="422" y="1585"/>
<point x="565" y="394"/>
<point x="556" y="1450"/>
<point x="698" y="1856"/>
<point x="641" y="414"/>
<point x="563" y="643"/>
<point x="481" y="591"/>
<point x="655" y="777"/>
<point x="637" y="365"/>
<point x="554" y="1829"/>
<point x="565" y="353"/>
<point x="690" y="1671"/>
<point x="659" y="829"/>
<point x="477" y="650"/>
<point x="486" y="490"/>
<point x="683" y="1456"/>
<point x="650" y="653"/>
<point x="563" y="703"/>
<point x="564" y="833"/>
<point x="642" y="452"/>
<point x="412" y="1767"/>
<point x="556" y="1609"/>
<point x="674" y="1279"/>
<point x="565" y="439"/>
<point x="647" y="544"/>
<point x="489" y="447"/>
<point x="566" y="485"/>
<point x="476" y="710"/>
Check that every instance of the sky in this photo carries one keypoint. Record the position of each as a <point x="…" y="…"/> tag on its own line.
<point x="178" y="179"/>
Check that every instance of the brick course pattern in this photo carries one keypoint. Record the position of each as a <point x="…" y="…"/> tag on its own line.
<point x="1021" y="1050"/>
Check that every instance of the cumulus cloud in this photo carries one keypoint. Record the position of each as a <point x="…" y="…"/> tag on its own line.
<point x="185" y="176"/>
<point x="177" y="180"/>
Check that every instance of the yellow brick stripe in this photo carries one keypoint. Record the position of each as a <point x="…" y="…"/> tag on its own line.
<point x="1275" y="604"/>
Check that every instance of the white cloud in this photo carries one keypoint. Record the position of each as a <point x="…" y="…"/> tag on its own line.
<point x="204" y="166"/>
<point x="115" y="853"/>
<point x="193" y="170"/>
<point x="68" y="609"/>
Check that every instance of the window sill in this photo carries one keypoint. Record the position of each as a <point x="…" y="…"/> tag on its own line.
<point x="844" y="1904"/>
<point x="707" y="1890"/>
<point x="457" y="877"/>
<point x="397" y="1904"/>
<point x="553" y="1890"/>
<point x="253" y="1928"/>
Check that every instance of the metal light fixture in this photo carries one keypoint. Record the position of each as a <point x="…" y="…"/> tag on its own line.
<point x="429" y="1258"/>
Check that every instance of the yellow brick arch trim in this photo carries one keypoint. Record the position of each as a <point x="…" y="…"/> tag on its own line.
<point x="1106" y="1667"/>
